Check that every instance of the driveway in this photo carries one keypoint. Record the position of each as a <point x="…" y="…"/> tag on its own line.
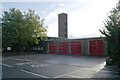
<point x="55" y="66"/>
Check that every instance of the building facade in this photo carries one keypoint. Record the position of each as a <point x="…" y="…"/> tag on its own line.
<point x="84" y="47"/>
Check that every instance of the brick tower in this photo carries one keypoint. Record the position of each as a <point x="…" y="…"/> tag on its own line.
<point x="62" y="24"/>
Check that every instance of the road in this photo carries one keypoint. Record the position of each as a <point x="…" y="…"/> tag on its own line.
<point x="55" y="66"/>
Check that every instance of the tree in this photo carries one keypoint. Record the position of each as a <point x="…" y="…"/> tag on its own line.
<point x="20" y="30"/>
<point x="112" y="34"/>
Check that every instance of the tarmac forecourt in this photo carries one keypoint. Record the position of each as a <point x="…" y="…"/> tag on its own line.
<point x="55" y="66"/>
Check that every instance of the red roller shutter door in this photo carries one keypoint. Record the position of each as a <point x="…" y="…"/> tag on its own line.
<point x="100" y="48"/>
<point x="76" y="48"/>
<point x="52" y="48"/>
<point x="63" y="48"/>
<point x="92" y="48"/>
<point x="96" y="48"/>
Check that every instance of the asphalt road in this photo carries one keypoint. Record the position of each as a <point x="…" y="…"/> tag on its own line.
<point x="55" y="66"/>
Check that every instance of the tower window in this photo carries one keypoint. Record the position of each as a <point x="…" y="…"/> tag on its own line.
<point x="65" y="29"/>
<point x="66" y="24"/>
<point x="65" y="35"/>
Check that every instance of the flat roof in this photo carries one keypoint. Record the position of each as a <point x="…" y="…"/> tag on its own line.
<point x="74" y="38"/>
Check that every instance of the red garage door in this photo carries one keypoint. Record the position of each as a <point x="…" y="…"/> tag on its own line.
<point x="63" y="48"/>
<point x="76" y="48"/>
<point x="96" y="48"/>
<point x="52" y="48"/>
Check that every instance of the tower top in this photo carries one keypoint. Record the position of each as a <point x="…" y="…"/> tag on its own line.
<point x="63" y="13"/>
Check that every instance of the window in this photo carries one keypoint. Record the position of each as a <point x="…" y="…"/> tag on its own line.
<point x="65" y="23"/>
<point x="65" y="28"/>
<point x="65" y="35"/>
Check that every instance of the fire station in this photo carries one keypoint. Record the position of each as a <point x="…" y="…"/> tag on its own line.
<point x="94" y="46"/>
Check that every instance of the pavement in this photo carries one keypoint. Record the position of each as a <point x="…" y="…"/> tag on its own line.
<point x="56" y="66"/>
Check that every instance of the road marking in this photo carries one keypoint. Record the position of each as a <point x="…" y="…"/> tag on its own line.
<point x="40" y="65"/>
<point x="7" y="65"/>
<point x="67" y="74"/>
<point x="23" y="63"/>
<point x="74" y="76"/>
<point x="72" y="72"/>
<point x="99" y="67"/>
<point x="20" y="59"/>
<point x="2" y="59"/>
<point x="34" y="73"/>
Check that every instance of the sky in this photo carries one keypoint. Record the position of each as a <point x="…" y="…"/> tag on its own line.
<point x="85" y="17"/>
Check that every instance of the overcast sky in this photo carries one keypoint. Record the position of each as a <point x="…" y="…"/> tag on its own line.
<point x="85" y="17"/>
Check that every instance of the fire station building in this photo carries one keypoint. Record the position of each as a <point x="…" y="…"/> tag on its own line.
<point x="84" y="47"/>
<point x="94" y="46"/>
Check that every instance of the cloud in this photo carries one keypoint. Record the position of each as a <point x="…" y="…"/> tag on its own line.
<point x="87" y="21"/>
<point x="52" y="19"/>
<point x="84" y="19"/>
<point x="52" y="30"/>
<point x="61" y="4"/>
<point x="1" y="8"/>
<point x="44" y="12"/>
<point x="52" y="22"/>
<point x="38" y="0"/>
